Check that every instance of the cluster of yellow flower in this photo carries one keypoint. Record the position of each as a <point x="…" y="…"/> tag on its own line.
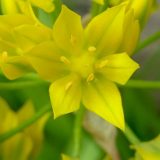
<point x="82" y="63"/>
<point x="26" y="143"/>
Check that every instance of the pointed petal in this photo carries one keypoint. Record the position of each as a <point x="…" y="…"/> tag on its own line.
<point x="11" y="21"/>
<point x="45" y="59"/>
<point x="7" y="116"/>
<point x="119" y="67"/>
<point x="15" y="67"/>
<point x="68" y="31"/>
<point x="26" y="36"/>
<point x="8" y="7"/>
<point x="105" y="31"/>
<point x="131" y="33"/>
<point x="103" y="98"/>
<point x="65" y="95"/>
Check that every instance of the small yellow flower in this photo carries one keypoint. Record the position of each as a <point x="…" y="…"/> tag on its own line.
<point x="84" y="63"/>
<point x="142" y="8"/>
<point x="148" y="150"/>
<point x="18" y="34"/>
<point x="17" y="6"/>
<point x="26" y="143"/>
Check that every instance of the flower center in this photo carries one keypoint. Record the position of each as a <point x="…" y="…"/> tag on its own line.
<point x="84" y="64"/>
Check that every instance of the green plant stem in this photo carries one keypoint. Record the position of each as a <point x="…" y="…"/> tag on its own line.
<point x="131" y="136"/>
<point x="143" y="84"/>
<point x="25" y="124"/>
<point x="77" y="132"/>
<point x="24" y="82"/>
<point x="20" y="84"/>
<point x="148" y="41"/>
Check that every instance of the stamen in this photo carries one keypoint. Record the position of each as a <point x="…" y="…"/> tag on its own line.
<point x="64" y="60"/>
<point x="102" y="64"/>
<point x="68" y="85"/>
<point x="90" y="77"/>
<point x="72" y="39"/>
<point x="91" y="49"/>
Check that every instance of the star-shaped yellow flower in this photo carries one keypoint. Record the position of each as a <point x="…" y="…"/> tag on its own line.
<point x="83" y="64"/>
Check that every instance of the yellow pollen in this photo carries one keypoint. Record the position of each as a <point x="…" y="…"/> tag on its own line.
<point x="72" y="39"/>
<point x="64" y="60"/>
<point x="90" y="77"/>
<point x="68" y="85"/>
<point x="91" y="49"/>
<point x="102" y="64"/>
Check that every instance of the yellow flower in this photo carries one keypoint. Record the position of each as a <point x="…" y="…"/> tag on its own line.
<point x="18" y="34"/>
<point x="148" y="150"/>
<point x="142" y="8"/>
<point x="84" y="63"/>
<point x="17" y="6"/>
<point x="26" y="143"/>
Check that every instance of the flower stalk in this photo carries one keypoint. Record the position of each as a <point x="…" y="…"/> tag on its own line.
<point x="130" y="135"/>
<point x="153" y="38"/>
<point x="77" y="132"/>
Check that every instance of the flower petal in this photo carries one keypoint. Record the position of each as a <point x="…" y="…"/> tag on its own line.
<point x="35" y="130"/>
<point x="105" y="31"/>
<point x="45" y="59"/>
<point x="103" y="98"/>
<point x="65" y="95"/>
<point x="11" y="21"/>
<point x="26" y="36"/>
<point x="14" y="67"/>
<point x="68" y="31"/>
<point x="119" y="67"/>
<point x="9" y="7"/>
<point x="131" y="33"/>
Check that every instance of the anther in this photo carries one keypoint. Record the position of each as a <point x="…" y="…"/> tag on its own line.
<point x="90" y="77"/>
<point x="68" y="85"/>
<point x="91" y="49"/>
<point x="102" y="64"/>
<point x="64" y="60"/>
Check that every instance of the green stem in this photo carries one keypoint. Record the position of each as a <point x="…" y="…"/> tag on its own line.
<point x="77" y="132"/>
<point x="19" y="85"/>
<point x="143" y="84"/>
<point x="25" y="82"/>
<point x="131" y="136"/>
<point x="25" y="124"/>
<point x="148" y="41"/>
